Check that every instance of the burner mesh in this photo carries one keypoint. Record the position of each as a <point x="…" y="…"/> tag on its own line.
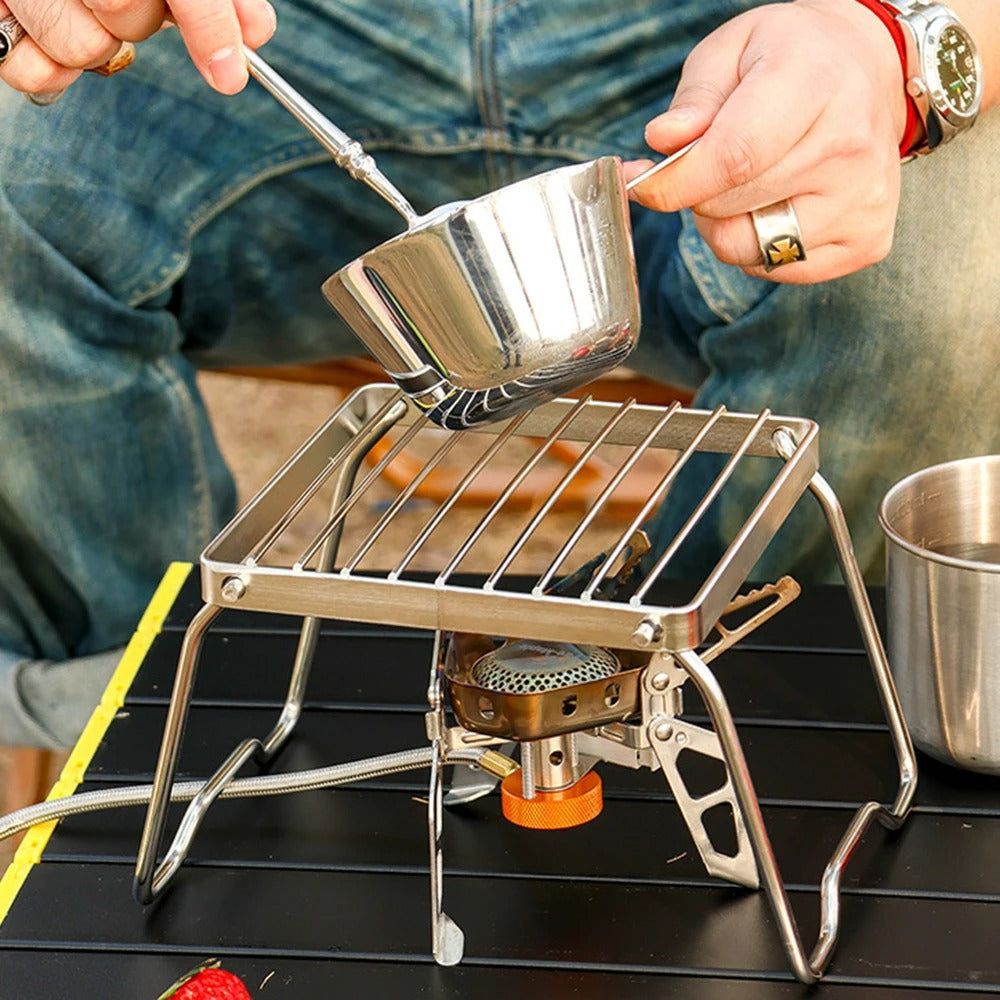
<point x="524" y="666"/>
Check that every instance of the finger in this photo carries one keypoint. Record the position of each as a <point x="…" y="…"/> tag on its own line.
<point x="835" y="242"/>
<point x="213" y="33"/>
<point x="709" y="76"/>
<point x="30" y="70"/>
<point x="128" y="20"/>
<point x="68" y="33"/>
<point x="813" y="166"/>
<point x="706" y="82"/>
<point x="834" y="179"/>
<point x="738" y="93"/>
<point x="803" y="171"/>
<point x="257" y="20"/>
<point x="753" y="132"/>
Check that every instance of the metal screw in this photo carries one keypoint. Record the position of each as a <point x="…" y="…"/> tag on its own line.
<point x="233" y="588"/>
<point x="664" y="731"/>
<point x="647" y="632"/>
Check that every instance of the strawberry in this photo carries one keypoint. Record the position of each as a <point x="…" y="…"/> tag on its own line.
<point x="207" y="982"/>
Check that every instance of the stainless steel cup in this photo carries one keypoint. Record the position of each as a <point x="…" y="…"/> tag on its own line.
<point x="489" y="307"/>
<point x="942" y="528"/>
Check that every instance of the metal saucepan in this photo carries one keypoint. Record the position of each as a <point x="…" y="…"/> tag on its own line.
<point x="484" y="308"/>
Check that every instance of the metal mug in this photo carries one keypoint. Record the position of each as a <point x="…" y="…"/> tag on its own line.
<point x="942" y="529"/>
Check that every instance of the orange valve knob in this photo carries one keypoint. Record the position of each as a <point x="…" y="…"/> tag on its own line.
<point x="572" y="806"/>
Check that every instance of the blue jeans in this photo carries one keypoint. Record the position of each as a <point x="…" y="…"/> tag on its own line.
<point x="149" y="226"/>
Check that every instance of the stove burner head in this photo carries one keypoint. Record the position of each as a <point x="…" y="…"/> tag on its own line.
<point x="525" y="666"/>
<point x="528" y="689"/>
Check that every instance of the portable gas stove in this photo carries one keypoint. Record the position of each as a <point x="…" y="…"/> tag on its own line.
<point x="580" y="668"/>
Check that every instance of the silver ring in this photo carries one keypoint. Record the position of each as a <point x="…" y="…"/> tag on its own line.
<point x="778" y="235"/>
<point x="11" y="33"/>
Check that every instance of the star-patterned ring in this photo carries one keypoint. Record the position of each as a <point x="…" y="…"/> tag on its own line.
<point x="778" y="235"/>
<point x="11" y="33"/>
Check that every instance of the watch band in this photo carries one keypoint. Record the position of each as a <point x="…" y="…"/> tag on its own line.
<point x="887" y="16"/>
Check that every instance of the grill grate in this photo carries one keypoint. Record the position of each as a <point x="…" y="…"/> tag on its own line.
<point x="317" y="539"/>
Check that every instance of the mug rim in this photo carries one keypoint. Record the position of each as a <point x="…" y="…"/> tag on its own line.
<point x="892" y="535"/>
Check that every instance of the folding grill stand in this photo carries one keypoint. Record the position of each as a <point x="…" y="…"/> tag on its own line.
<point x="232" y="575"/>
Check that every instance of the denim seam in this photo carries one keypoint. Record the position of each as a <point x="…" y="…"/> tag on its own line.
<point x="199" y="467"/>
<point x="286" y="160"/>
<point x="485" y="84"/>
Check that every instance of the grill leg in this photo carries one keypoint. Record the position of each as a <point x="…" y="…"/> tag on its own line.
<point x="150" y="880"/>
<point x="732" y="750"/>
<point x="900" y="733"/>
<point x="448" y="941"/>
<point x="810" y="967"/>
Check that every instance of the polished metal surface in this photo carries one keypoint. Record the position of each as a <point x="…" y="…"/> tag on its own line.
<point x="487" y="308"/>
<point x="942" y="528"/>
<point x="523" y="666"/>
<point x="518" y="705"/>
<point x="555" y="764"/>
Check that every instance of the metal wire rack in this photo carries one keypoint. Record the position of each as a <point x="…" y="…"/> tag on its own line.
<point x="419" y="580"/>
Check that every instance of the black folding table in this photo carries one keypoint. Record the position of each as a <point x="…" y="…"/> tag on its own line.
<point x="325" y="894"/>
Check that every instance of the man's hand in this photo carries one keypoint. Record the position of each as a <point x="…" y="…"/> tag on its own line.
<point x="801" y="101"/>
<point x="65" y="37"/>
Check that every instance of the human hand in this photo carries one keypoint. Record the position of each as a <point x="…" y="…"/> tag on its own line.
<point x="65" y="37"/>
<point x="801" y="101"/>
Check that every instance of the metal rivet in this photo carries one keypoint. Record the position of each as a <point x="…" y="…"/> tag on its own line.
<point x="233" y="589"/>
<point x="682" y="738"/>
<point x="664" y="731"/>
<point x="647" y="632"/>
<point x="660" y="682"/>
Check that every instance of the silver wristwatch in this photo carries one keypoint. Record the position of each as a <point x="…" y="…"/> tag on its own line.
<point x="943" y="69"/>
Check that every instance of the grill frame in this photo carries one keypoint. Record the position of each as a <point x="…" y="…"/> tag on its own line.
<point x="232" y="574"/>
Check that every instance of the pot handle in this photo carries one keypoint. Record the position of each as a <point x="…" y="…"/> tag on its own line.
<point x="347" y="153"/>
<point x="656" y="168"/>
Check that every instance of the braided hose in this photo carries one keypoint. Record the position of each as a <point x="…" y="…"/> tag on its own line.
<point x="269" y="784"/>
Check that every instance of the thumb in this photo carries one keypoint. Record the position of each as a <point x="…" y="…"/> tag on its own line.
<point x="702" y="91"/>
<point x="688" y="117"/>
<point x="710" y="75"/>
<point x="706" y="83"/>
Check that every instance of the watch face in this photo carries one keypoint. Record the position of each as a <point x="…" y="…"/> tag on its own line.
<point x="958" y="70"/>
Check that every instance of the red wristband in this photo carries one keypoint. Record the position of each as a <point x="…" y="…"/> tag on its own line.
<point x="912" y="128"/>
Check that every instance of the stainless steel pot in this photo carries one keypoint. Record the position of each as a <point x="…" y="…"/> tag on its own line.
<point x="485" y="308"/>
<point x="942" y="528"/>
<point x="503" y="302"/>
